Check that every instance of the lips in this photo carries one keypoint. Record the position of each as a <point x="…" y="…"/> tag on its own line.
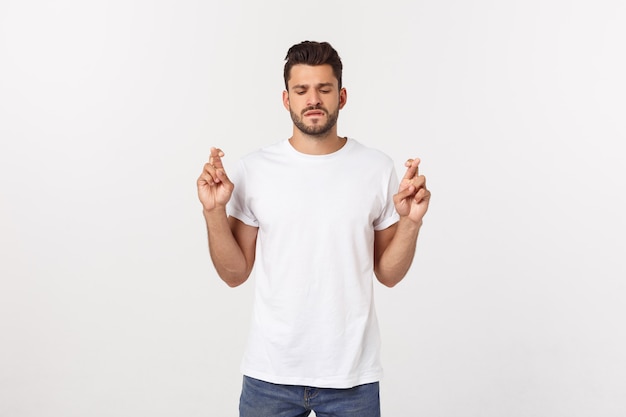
<point x="314" y="113"/>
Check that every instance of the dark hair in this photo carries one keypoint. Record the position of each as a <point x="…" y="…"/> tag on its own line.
<point x="312" y="53"/>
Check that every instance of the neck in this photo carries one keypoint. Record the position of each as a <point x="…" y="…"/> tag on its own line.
<point x="316" y="145"/>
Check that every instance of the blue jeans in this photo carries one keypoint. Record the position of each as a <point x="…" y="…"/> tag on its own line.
<point x="264" y="399"/>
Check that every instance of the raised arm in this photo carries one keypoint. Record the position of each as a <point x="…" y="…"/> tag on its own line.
<point x="394" y="247"/>
<point x="231" y="242"/>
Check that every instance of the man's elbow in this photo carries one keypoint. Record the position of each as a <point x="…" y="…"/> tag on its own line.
<point x="389" y="280"/>
<point x="233" y="278"/>
<point x="234" y="283"/>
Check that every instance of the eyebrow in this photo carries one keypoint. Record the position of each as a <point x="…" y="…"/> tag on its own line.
<point x="320" y="85"/>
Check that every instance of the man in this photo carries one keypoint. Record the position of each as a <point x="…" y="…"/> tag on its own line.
<point x="321" y="215"/>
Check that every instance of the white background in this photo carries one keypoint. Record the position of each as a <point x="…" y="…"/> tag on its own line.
<point x="109" y="305"/>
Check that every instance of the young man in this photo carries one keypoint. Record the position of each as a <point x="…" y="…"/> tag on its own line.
<point x="317" y="215"/>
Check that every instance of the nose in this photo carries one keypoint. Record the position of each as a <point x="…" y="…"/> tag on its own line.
<point x="313" y="98"/>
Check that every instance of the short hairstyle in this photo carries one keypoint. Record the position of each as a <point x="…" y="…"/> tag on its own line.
<point x="312" y="53"/>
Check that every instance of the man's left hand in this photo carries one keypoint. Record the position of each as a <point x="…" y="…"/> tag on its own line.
<point x="413" y="196"/>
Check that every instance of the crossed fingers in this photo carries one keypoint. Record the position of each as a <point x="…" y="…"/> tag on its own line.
<point x="215" y="167"/>
<point x="412" y="184"/>
<point x="411" y="177"/>
<point x="412" y="168"/>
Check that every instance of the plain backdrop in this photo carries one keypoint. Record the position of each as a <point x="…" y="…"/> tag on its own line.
<point x="109" y="304"/>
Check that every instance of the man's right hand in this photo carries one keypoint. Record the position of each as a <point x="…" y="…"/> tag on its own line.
<point x="214" y="187"/>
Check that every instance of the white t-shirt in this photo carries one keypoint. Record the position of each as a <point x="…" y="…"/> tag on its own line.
<point x="314" y="321"/>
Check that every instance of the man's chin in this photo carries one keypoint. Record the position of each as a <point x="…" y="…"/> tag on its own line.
<point x="316" y="133"/>
<point x="318" y="128"/>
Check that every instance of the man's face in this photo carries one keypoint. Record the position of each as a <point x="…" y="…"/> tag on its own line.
<point x="314" y="99"/>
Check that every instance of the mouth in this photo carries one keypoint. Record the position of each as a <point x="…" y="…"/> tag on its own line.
<point x="314" y="113"/>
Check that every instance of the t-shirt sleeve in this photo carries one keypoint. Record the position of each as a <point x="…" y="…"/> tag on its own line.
<point x="238" y="206"/>
<point x="388" y="215"/>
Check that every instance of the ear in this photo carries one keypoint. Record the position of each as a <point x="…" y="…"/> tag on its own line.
<point x="286" y="99"/>
<point x="343" y="97"/>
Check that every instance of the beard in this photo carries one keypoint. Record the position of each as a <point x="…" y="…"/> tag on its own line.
<point x="316" y="130"/>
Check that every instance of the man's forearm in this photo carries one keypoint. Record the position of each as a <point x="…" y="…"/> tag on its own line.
<point x="226" y="254"/>
<point x="397" y="258"/>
